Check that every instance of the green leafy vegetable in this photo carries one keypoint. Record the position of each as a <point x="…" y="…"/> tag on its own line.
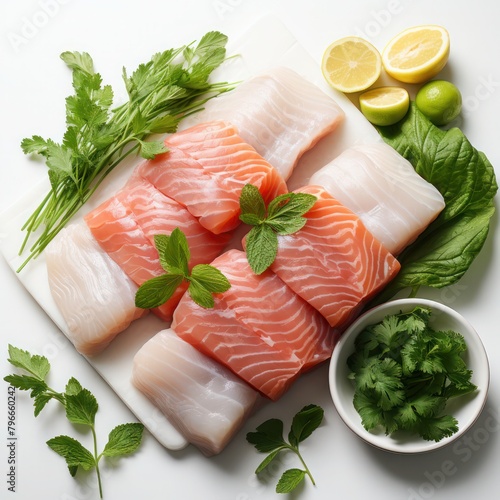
<point x="466" y="179"/>
<point x="404" y="373"/>
<point x="284" y="215"/>
<point x="204" y="280"/>
<point x="81" y="408"/>
<point x="268" y="438"/>
<point x="173" y="84"/>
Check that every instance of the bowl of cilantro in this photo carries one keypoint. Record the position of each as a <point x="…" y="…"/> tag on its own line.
<point x="409" y="376"/>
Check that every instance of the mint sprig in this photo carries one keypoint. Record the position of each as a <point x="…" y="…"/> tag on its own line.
<point x="81" y="408"/>
<point x="268" y="438"/>
<point x="284" y="215"/>
<point x="173" y="251"/>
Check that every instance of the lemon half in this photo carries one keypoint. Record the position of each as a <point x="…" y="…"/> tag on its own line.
<point x="384" y="105"/>
<point x="351" y="64"/>
<point x="417" y="54"/>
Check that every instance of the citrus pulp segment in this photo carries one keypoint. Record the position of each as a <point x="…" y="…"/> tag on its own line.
<point x="417" y="54"/>
<point x="351" y="64"/>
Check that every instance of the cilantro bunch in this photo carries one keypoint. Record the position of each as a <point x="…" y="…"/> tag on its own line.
<point x="405" y="372"/>
<point x="81" y="408"/>
<point x="173" y="84"/>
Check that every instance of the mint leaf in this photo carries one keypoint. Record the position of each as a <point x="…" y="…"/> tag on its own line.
<point x="156" y="291"/>
<point x="210" y="278"/>
<point x="201" y="295"/>
<point x="290" y="479"/>
<point x="176" y="253"/>
<point x="261" y="246"/>
<point x="38" y="366"/>
<point x="284" y="216"/>
<point x="204" y="281"/>
<point x="123" y="440"/>
<point x="268" y="436"/>
<point x="304" y="423"/>
<point x="75" y="454"/>
<point x="73" y="387"/>
<point x="252" y="204"/>
<point x="81" y="408"/>
<point x="290" y="205"/>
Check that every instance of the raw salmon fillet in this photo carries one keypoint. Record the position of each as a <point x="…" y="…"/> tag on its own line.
<point x="259" y="329"/>
<point x="333" y="262"/>
<point x="203" y="399"/>
<point x="206" y="169"/>
<point x="125" y="226"/>
<point x="279" y="113"/>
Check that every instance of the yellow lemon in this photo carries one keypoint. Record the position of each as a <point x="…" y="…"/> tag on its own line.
<point x="384" y="105"/>
<point x="440" y="101"/>
<point x="351" y="64"/>
<point x="417" y="54"/>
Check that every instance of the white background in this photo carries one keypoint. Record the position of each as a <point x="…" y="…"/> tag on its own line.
<point x="33" y="84"/>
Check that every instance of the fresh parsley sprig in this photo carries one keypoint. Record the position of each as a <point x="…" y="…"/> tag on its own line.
<point x="405" y="372"/>
<point x="174" y="254"/>
<point x="81" y="408"/>
<point x="268" y="438"/>
<point x="284" y="215"/>
<point x="173" y="84"/>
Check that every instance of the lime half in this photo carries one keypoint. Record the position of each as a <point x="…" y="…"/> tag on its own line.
<point x="384" y="105"/>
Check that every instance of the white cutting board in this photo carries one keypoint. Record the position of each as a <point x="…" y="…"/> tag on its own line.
<point x="267" y="44"/>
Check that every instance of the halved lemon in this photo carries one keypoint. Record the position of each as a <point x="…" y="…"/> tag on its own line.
<point x="351" y="64"/>
<point x="417" y="54"/>
<point x="384" y="105"/>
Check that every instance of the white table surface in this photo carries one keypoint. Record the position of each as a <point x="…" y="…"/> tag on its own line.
<point x="33" y="84"/>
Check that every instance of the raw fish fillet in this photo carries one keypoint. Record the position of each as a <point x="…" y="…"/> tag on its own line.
<point x="94" y="296"/>
<point x="279" y="113"/>
<point x="204" y="400"/>
<point x="125" y="225"/>
<point x="260" y="329"/>
<point x="182" y="178"/>
<point x="333" y="262"/>
<point x="206" y="170"/>
<point x="383" y="189"/>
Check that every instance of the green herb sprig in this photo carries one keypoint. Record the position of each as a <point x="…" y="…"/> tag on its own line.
<point x="268" y="438"/>
<point x="204" y="279"/>
<point x="405" y="372"/>
<point x="284" y="215"/>
<point x="173" y="84"/>
<point x="81" y="408"/>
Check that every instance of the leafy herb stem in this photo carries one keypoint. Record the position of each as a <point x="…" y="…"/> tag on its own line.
<point x="80" y="406"/>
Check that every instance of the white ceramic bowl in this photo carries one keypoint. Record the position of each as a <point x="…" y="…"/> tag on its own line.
<point x="465" y="409"/>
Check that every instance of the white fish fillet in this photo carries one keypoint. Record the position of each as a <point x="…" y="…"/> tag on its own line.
<point x="383" y="189"/>
<point x="203" y="399"/>
<point x="94" y="296"/>
<point x="279" y="113"/>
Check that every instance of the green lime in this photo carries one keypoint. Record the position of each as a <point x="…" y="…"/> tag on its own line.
<point x="440" y="101"/>
<point x="384" y="105"/>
